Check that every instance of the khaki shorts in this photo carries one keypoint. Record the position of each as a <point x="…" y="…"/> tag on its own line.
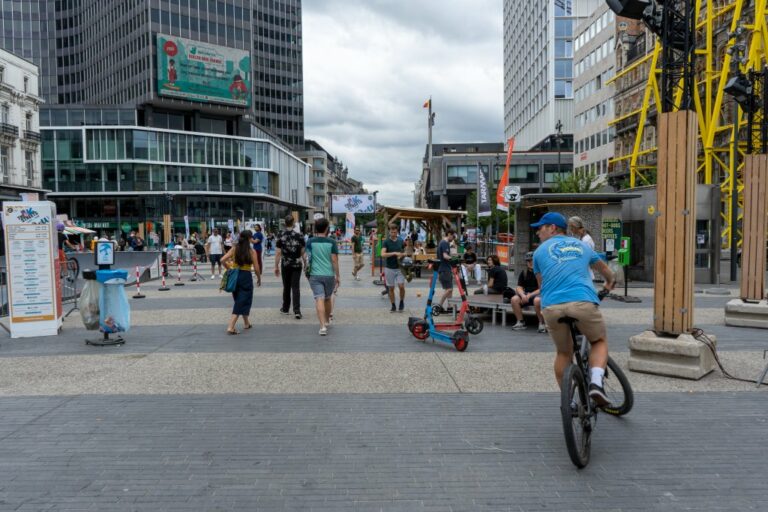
<point x="590" y="323"/>
<point x="358" y="258"/>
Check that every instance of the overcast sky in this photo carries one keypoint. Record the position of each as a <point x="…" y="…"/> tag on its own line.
<point x="369" y="66"/>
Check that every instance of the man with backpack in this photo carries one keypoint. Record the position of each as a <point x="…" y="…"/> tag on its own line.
<point x="288" y="257"/>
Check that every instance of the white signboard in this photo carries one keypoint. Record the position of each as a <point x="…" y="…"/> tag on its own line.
<point x="512" y="194"/>
<point x="356" y="203"/>
<point x="34" y="296"/>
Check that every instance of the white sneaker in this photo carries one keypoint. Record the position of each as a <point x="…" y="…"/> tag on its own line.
<point x="323" y="331"/>
<point x="357" y="278"/>
<point x="213" y="276"/>
<point x="519" y="326"/>
<point x="543" y="328"/>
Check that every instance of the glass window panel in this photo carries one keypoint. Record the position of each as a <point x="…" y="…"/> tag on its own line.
<point x="213" y="180"/>
<point x="142" y="177"/>
<point x="226" y="180"/>
<point x="110" y="175"/>
<point x="140" y="145"/>
<point x="193" y="178"/>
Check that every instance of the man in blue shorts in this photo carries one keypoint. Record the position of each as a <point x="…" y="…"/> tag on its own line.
<point x="562" y="265"/>
<point x="322" y="255"/>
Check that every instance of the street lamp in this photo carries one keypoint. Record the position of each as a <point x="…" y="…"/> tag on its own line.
<point x="559" y="141"/>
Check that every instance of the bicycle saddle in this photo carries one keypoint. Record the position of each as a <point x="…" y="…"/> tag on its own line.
<point x="567" y="320"/>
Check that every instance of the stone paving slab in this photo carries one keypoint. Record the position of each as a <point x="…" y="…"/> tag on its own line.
<point x="455" y="452"/>
<point x="436" y="372"/>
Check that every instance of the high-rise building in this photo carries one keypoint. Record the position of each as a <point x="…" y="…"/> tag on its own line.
<point x="93" y="52"/>
<point x="538" y="70"/>
<point x="167" y="107"/>
<point x="594" y="66"/>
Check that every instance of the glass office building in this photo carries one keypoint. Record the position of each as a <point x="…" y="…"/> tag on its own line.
<point x="108" y="173"/>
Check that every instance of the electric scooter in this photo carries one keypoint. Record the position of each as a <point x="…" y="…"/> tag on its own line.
<point x="464" y="316"/>
<point x="423" y="328"/>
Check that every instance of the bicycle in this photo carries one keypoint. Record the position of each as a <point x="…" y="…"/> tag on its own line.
<point x="579" y="412"/>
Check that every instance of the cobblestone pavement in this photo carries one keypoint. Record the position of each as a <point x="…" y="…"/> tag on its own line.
<point x="183" y="417"/>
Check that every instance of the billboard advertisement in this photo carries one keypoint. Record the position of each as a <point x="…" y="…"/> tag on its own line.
<point x="356" y="203"/>
<point x="208" y="73"/>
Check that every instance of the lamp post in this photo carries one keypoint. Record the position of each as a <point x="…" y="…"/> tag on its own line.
<point x="559" y="141"/>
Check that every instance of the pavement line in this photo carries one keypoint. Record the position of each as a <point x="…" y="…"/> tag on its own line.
<point x="323" y="373"/>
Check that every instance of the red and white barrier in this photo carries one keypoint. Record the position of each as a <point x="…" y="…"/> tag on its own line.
<point x="178" y="270"/>
<point x="138" y="294"/>
<point x="163" y="287"/>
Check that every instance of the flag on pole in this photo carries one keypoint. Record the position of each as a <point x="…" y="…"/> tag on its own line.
<point x="501" y="200"/>
<point x="427" y="103"/>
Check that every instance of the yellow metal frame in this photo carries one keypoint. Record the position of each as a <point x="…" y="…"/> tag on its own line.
<point x="718" y="161"/>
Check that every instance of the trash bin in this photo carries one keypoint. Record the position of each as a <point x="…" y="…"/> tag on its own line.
<point x="114" y="309"/>
<point x="88" y="303"/>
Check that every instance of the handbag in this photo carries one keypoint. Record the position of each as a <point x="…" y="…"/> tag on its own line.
<point x="229" y="280"/>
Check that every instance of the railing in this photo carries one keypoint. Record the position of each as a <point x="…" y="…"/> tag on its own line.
<point x="31" y="136"/>
<point x="9" y="129"/>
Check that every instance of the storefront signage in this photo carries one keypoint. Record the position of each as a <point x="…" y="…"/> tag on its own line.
<point x="203" y="72"/>
<point x="31" y="257"/>
<point x="611" y="232"/>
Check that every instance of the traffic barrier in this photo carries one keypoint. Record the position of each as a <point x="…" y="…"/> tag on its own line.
<point x="138" y="294"/>
<point x="195" y="275"/>
<point x="178" y="279"/>
<point x="163" y="287"/>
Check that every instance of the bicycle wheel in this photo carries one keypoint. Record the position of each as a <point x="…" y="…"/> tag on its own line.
<point x="576" y="421"/>
<point x="618" y="390"/>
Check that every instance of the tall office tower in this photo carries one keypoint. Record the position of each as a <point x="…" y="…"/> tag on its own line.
<point x="594" y="66"/>
<point x="104" y="53"/>
<point x="538" y="70"/>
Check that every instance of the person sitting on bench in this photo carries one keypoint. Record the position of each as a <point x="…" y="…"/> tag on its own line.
<point x="527" y="293"/>
<point x="497" y="278"/>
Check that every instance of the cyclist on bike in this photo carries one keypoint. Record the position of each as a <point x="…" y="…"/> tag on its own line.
<point x="561" y="265"/>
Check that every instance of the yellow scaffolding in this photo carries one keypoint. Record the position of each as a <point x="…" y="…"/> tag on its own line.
<point x="719" y="161"/>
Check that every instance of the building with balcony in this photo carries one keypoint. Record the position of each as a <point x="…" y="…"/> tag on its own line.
<point x="594" y="64"/>
<point x="109" y="171"/>
<point x="19" y="127"/>
<point x="452" y="176"/>
<point x="329" y="176"/>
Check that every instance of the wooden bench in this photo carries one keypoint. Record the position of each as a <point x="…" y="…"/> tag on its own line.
<point x="493" y="303"/>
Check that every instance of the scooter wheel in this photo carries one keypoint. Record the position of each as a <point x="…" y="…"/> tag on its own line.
<point x="437" y="310"/>
<point x="474" y="325"/>
<point x="420" y="330"/>
<point x="460" y="340"/>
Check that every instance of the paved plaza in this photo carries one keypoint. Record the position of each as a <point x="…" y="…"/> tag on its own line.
<point x="183" y="417"/>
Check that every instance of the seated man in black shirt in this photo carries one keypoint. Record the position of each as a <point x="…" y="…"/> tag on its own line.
<point x="497" y="278"/>
<point x="527" y="293"/>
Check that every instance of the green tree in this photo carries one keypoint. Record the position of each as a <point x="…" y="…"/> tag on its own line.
<point x="498" y="219"/>
<point x="577" y="183"/>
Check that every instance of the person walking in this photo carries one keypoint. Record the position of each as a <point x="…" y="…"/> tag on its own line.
<point x="578" y="230"/>
<point x="357" y="252"/>
<point x="444" y="271"/>
<point x="288" y="257"/>
<point x="527" y="293"/>
<point x="242" y="257"/>
<point x="322" y="258"/>
<point x="392" y="249"/>
<point x="258" y="246"/>
<point x="228" y="241"/>
<point x="215" y="248"/>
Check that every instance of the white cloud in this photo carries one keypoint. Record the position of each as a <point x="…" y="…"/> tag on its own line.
<point x="369" y="66"/>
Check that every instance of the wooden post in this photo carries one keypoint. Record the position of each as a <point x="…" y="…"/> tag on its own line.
<point x="676" y="223"/>
<point x="754" y="228"/>
<point x="167" y="229"/>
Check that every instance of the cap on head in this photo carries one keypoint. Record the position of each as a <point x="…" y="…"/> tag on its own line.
<point x="551" y="218"/>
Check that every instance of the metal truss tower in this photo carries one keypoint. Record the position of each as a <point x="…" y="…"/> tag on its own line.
<point x="731" y="36"/>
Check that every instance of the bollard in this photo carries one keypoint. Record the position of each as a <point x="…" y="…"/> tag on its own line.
<point x="178" y="280"/>
<point x="164" y="288"/>
<point x="138" y="294"/>
<point x="194" y="268"/>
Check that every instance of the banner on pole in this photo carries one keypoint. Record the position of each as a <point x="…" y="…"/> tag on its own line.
<point x="186" y="226"/>
<point x="349" y="228"/>
<point x="484" y="205"/>
<point x="501" y="200"/>
<point x="354" y="203"/>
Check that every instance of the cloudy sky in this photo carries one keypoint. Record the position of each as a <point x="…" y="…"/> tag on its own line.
<point x="369" y="65"/>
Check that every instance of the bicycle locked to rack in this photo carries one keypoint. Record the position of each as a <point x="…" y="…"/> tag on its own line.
<point x="578" y="410"/>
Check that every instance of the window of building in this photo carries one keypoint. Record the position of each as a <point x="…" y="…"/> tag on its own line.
<point x="4" y="113"/>
<point x="28" y="122"/>
<point x="5" y="162"/>
<point x="463" y="174"/>
<point x="2" y="74"/>
<point x="29" y="167"/>
<point x="26" y="84"/>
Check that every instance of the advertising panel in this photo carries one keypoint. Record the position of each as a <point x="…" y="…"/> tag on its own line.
<point x="34" y="293"/>
<point x="355" y="203"/>
<point x="204" y="72"/>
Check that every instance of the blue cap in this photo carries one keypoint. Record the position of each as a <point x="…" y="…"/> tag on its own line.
<point x="551" y="218"/>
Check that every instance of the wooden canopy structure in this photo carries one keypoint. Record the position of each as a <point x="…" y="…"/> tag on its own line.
<point x="433" y="221"/>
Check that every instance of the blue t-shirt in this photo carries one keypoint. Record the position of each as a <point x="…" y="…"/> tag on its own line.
<point x="444" y="247"/>
<point x="563" y="263"/>
<point x="260" y="237"/>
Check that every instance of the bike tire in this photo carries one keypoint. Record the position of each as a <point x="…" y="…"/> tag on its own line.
<point x="622" y="397"/>
<point x="574" y="405"/>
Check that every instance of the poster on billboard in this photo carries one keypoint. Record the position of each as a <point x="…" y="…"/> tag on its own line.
<point x="203" y="72"/>
<point x="355" y="203"/>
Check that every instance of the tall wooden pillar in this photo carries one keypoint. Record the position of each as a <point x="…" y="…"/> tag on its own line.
<point x="676" y="223"/>
<point x="754" y="228"/>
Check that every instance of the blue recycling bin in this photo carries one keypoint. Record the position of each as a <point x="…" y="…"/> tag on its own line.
<point x="114" y="308"/>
